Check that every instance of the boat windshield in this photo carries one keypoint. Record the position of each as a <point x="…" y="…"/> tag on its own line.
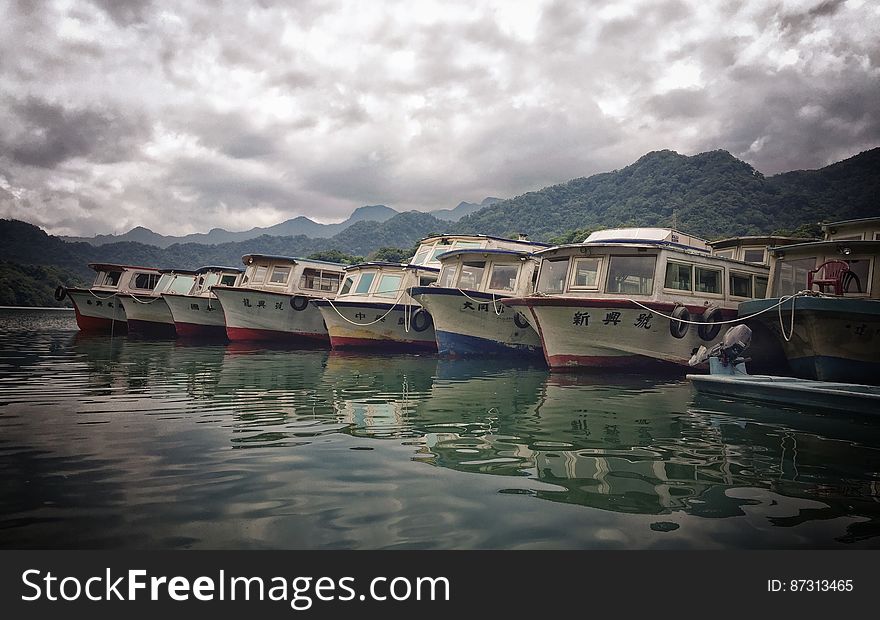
<point x="631" y="275"/>
<point x="552" y="278"/>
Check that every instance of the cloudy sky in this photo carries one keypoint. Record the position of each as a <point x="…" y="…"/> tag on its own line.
<point x="182" y="116"/>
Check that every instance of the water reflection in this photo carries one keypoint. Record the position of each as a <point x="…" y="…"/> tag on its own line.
<point x="108" y="443"/>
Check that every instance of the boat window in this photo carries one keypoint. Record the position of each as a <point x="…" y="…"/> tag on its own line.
<point x="753" y="255"/>
<point x="848" y="238"/>
<point x="346" y="286"/>
<point x="366" y="282"/>
<point x="471" y="275"/>
<point x="206" y="282"/>
<point x="740" y="284"/>
<point x="552" y="276"/>
<point x="259" y="273"/>
<point x="146" y="281"/>
<point x="503" y="277"/>
<point x="280" y="275"/>
<point x="678" y="276"/>
<point x="447" y="275"/>
<point x="440" y="249"/>
<point x="181" y="284"/>
<point x="420" y="255"/>
<point x="586" y="273"/>
<point x="856" y="281"/>
<point x="319" y="280"/>
<point x="427" y="280"/>
<point x="760" y="287"/>
<point x="725" y="253"/>
<point x="632" y="275"/>
<point x="111" y="278"/>
<point x="228" y="280"/>
<point x="466" y="244"/>
<point x="707" y="280"/>
<point x="388" y="285"/>
<point x="791" y="276"/>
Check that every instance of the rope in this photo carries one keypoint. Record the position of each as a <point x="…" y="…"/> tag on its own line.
<point x="399" y="297"/>
<point x="782" y="300"/>
<point x="92" y="293"/>
<point x="146" y="303"/>
<point x="482" y="301"/>
<point x="781" y="325"/>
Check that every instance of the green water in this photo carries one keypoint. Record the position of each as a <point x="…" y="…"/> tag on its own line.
<point x="137" y="444"/>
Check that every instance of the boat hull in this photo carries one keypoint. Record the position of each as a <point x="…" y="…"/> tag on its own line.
<point x="197" y="317"/>
<point x="832" y="339"/>
<point x="148" y="317"/>
<point x="611" y="333"/>
<point x="346" y="326"/>
<point x="476" y="324"/>
<point x="252" y="315"/>
<point x="98" y="312"/>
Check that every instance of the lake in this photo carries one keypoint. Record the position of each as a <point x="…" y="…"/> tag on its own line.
<point x="126" y="444"/>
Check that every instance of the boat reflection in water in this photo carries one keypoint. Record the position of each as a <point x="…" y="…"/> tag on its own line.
<point x="629" y="445"/>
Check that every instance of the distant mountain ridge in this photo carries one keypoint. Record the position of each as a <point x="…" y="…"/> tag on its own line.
<point x="289" y="228"/>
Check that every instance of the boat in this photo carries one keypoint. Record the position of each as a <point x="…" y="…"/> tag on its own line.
<point x="374" y="308"/>
<point x="97" y="308"/>
<point x="823" y="306"/>
<point x="197" y="314"/>
<point x="634" y="298"/>
<point x="147" y="313"/>
<point x="469" y="319"/>
<point x="729" y="378"/>
<point x="271" y="301"/>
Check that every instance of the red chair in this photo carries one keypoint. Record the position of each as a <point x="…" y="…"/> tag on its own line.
<point x="833" y="272"/>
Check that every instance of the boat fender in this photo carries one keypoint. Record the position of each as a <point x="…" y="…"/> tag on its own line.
<point x="678" y="328"/>
<point x="60" y="292"/>
<point x="520" y="321"/>
<point x="710" y="326"/>
<point x="299" y="303"/>
<point x="421" y="320"/>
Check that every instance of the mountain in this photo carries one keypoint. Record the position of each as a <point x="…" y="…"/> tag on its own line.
<point x="463" y="208"/>
<point x="711" y="194"/>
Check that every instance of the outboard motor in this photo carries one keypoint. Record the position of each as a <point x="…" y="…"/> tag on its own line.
<point x="724" y="358"/>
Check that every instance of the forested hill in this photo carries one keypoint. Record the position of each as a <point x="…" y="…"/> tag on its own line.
<point x="711" y="194"/>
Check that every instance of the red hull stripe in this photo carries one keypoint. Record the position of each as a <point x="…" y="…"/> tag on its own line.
<point x="339" y="342"/>
<point x="272" y="335"/>
<point x="98" y="324"/>
<point x="151" y="329"/>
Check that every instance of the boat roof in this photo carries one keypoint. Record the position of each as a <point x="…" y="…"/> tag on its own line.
<point x="460" y="251"/>
<point x="248" y="258"/>
<point x="182" y="272"/>
<point x="858" y="220"/>
<point x="208" y="268"/>
<point x="538" y="244"/>
<point x="755" y="240"/>
<point x="855" y="244"/>
<point x="112" y="266"/>
<point x="655" y="236"/>
<point x="387" y="264"/>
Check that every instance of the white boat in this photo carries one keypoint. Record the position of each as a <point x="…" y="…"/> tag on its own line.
<point x="728" y="378"/>
<point x="197" y="314"/>
<point x="97" y="308"/>
<point x="634" y="298"/>
<point x="374" y="309"/>
<point x="469" y="319"/>
<point x="147" y="313"/>
<point x="271" y="301"/>
<point x="830" y="329"/>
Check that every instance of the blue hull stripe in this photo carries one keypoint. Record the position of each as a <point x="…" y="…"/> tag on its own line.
<point x="452" y="344"/>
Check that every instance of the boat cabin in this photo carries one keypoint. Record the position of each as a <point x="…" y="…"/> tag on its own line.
<point x="124" y="278"/>
<point x="384" y="282"/>
<point x="754" y="249"/>
<point x="431" y="248"/>
<point x="648" y="264"/>
<point x="206" y="277"/>
<point x="863" y="229"/>
<point x="840" y="267"/>
<point x="505" y="272"/>
<point x="283" y="274"/>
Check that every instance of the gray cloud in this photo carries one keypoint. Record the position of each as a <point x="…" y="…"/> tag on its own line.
<point x="186" y="116"/>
